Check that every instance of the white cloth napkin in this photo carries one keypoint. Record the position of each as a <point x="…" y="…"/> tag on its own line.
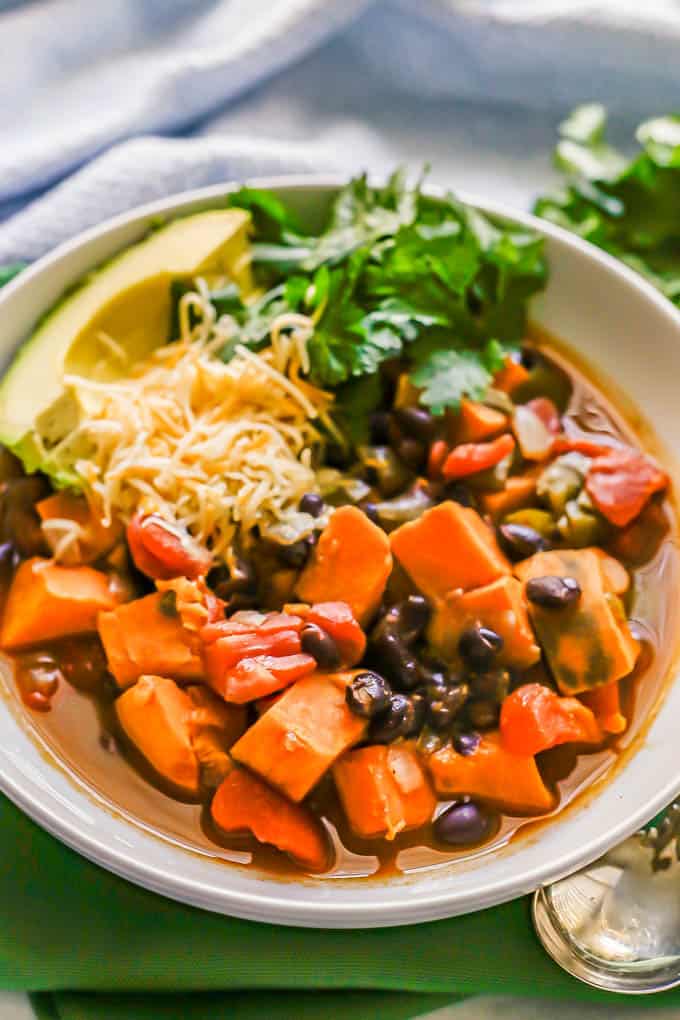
<point x="273" y="85"/>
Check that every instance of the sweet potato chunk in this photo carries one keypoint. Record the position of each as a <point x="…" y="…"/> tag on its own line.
<point x="449" y="547"/>
<point x="383" y="790"/>
<point x="213" y="728"/>
<point x="46" y="601"/>
<point x="156" y="715"/>
<point x="351" y="563"/>
<point x="500" y="606"/>
<point x="302" y="734"/>
<point x="243" y="803"/>
<point x="586" y="645"/>
<point x="510" y="780"/>
<point x="139" y="637"/>
<point x="476" y="422"/>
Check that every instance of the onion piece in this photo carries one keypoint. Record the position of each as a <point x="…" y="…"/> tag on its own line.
<point x="534" y="439"/>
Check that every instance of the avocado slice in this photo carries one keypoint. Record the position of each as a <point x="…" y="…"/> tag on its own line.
<point x="128" y="300"/>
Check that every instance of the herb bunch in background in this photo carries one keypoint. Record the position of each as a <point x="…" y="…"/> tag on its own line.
<point x="393" y="273"/>
<point x="629" y="207"/>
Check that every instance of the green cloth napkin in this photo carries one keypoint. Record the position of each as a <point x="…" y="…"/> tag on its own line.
<point x="71" y="929"/>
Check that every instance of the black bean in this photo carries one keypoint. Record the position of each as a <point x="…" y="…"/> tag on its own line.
<point x="463" y="825"/>
<point x="20" y="520"/>
<point x="241" y="600"/>
<point x="321" y="646"/>
<point x="412" y="453"/>
<point x="466" y="743"/>
<point x="312" y="503"/>
<point x="337" y="456"/>
<point x="553" y="592"/>
<point x="435" y="687"/>
<point x="478" y="646"/>
<point x="241" y="578"/>
<point x="483" y="714"/>
<point x="459" y="493"/>
<point x="396" y="661"/>
<point x="369" y="695"/>
<point x="443" y="709"/>
<point x="379" y="427"/>
<point x="371" y="511"/>
<point x="429" y="742"/>
<point x="295" y="554"/>
<point x="493" y="685"/>
<point x="398" y="721"/>
<point x="419" y="702"/>
<point x="416" y="422"/>
<point x="519" y="541"/>
<point x="409" y="618"/>
<point x="528" y="358"/>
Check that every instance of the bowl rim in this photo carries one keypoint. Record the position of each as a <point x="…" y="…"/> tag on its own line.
<point x="262" y="906"/>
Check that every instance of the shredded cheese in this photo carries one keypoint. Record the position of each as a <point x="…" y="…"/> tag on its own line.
<point x="212" y="447"/>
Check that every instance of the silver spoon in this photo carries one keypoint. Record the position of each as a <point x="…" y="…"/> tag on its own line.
<point x="616" y="924"/>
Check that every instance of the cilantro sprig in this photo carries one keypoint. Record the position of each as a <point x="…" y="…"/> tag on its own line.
<point x="392" y="273"/>
<point x="628" y="207"/>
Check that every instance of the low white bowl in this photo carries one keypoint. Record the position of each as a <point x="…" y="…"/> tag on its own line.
<point x="622" y="327"/>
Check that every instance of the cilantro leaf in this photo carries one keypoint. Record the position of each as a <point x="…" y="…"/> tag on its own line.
<point x="630" y="208"/>
<point x="446" y="376"/>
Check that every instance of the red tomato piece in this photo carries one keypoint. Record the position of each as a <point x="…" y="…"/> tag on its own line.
<point x="546" y="412"/>
<point x="576" y="444"/>
<point x="620" y="484"/>
<point x="338" y="621"/>
<point x="223" y="654"/>
<point x="162" y="551"/>
<point x="262" y="675"/>
<point x="470" y="458"/>
<point x="275" y="622"/>
<point x="534" y="718"/>
<point x="244" y="803"/>
<point x="439" y="451"/>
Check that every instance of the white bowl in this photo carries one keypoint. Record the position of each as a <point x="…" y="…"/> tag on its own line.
<point x="622" y="326"/>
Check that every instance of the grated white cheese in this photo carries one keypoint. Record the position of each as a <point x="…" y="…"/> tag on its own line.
<point x="212" y="447"/>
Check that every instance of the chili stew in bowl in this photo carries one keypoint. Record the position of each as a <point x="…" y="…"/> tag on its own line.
<point x="351" y="562"/>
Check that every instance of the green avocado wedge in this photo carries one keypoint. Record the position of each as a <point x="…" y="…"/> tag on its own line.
<point x="116" y="316"/>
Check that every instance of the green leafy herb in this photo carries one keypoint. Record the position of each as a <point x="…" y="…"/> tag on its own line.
<point x="392" y="274"/>
<point x="446" y="376"/>
<point x="628" y="207"/>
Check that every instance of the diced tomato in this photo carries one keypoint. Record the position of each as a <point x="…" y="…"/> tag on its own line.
<point x="470" y="458"/>
<point x="161" y="551"/>
<point x="534" y="718"/>
<point x="223" y="654"/>
<point x="223" y="628"/>
<point x="275" y="622"/>
<point x="621" y="482"/>
<point x="243" y="803"/>
<point x="439" y="451"/>
<point x="338" y="620"/>
<point x="250" y="623"/>
<point x="544" y="409"/>
<point x="262" y="675"/>
<point x="579" y="444"/>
